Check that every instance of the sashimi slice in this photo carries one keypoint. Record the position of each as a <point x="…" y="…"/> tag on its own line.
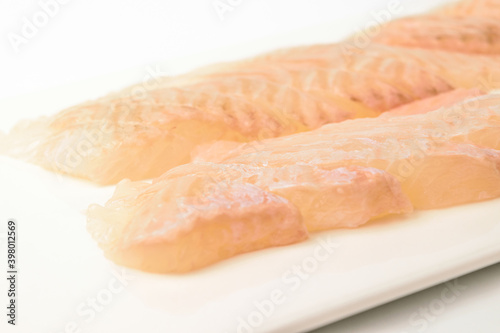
<point x="222" y="210"/>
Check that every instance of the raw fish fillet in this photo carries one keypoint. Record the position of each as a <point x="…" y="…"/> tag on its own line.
<point x="460" y="139"/>
<point x="121" y="137"/>
<point x="231" y="209"/>
<point x="140" y="136"/>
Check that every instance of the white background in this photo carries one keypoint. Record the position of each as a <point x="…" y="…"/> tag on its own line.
<point x="85" y="39"/>
<point x="88" y="38"/>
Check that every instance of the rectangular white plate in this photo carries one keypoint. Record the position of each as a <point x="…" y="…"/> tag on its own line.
<point x="66" y="285"/>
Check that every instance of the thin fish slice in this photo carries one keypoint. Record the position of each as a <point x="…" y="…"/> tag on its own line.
<point x="124" y="137"/>
<point x="430" y="149"/>
<point x="198" y="214"/>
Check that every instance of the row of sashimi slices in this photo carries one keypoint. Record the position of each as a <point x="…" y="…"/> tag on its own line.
<point x="227" y="190"/>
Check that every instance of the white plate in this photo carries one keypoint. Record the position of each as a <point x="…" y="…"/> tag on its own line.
<point x="61" y="267"/>
<point x="62" y="271"/>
